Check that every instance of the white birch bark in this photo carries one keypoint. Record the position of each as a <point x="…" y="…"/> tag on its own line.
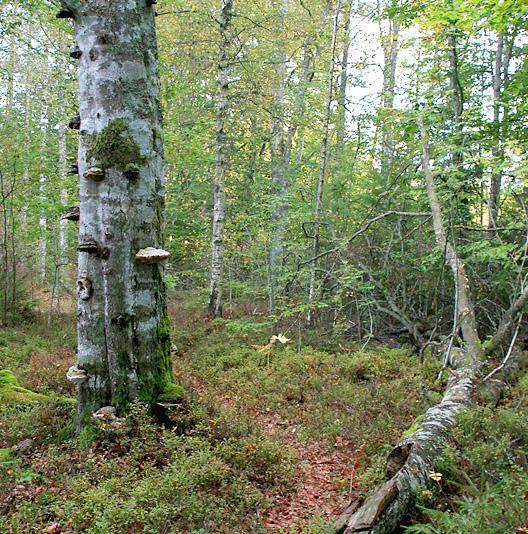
<point x="411" y="461"/>
<point x="323" y="163"/>
<point x="500" y="73"/>
<point x="123" y="329"/>
<point x="43" y="225"/>
<point x="63" y="224"/>
<point x="221" y="165"/>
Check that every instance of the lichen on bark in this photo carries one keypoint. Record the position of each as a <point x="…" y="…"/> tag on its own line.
<point x="114" y="146"/>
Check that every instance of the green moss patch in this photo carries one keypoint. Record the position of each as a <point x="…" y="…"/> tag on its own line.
<point x="5" y="455"/>
<point x="114" y="146"/>
<point x="12" y="392"/>
<point x="173" y="392"/>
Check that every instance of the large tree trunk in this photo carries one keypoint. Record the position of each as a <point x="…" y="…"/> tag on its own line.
<point x="217" y="261"/>
<point x="123" y="328"/>
<point x="323" y="163"/>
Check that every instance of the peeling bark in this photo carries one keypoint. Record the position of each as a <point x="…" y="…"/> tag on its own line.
<point x="383" y="511"/>
<point x="123" y="329"/>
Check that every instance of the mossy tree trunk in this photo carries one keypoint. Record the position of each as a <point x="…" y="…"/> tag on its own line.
<point x="123" y="328"/>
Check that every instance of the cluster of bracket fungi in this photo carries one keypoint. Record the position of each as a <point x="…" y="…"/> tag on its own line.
<point x="148" y="255"/>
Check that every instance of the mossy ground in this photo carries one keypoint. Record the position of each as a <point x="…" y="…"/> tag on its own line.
<point x="218" y="468"/>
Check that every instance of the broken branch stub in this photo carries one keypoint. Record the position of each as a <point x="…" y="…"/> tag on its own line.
<point x="76" y="53"/>
<point x="84" y="288"/>
<point x="75" y="122"/>
<point x="152" y="255"/>
<point x="65" y="13"/>
<point x="72" y="214"/>
<point x="73" y="169"/>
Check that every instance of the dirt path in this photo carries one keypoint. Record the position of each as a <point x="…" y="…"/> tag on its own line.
<point x="326" y="480"/>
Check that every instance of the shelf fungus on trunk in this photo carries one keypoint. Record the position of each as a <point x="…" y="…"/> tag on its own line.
<point x="91" y="247"/>
<point x="151" y="255"/>
<point x="94" y="173"/>
<point x="75" y="122"/>
<point x="84" y="288"/>
<point x="73" y="169"/>
<point x="72" y="214"/>
<point x="76" y="376"/>
<point x="76" y="53"/>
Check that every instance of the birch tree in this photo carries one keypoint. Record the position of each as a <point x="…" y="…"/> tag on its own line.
<point x="123" y="328"/>
<point x="221" y="165"/>
<point x="323" y="162"/>
<point x="502" y="59"/>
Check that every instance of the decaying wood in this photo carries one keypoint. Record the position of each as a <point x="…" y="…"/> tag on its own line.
<point x="411" y="461"/>
<point x="383" y="511"/>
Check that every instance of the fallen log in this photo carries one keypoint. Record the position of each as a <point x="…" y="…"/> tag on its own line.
<point x="411" y="463"/>
<point x="383" y="511"/>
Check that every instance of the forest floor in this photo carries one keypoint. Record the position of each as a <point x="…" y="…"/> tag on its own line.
<point x="277" y="440"/>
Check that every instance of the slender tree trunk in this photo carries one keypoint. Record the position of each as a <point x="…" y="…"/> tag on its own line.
<point x="222" y="163"/>
<point x="466" y="318"/>
<point x="280" y="143"/>
<point x="323" y="163"/>
<point x="390" y="62"/>
<point x="411" y="461"/>
<point x="43" y="225"/>
<point x="123" y="328"/>
<point x="5" y="257"/>
<point x="63" y="224"/>
<point x="342" y="94"/>
<point x="496" y="151"/>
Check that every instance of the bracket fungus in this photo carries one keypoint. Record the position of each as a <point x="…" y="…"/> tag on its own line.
<point x="94" y="173"/>
<point x="152" y="255"/>
<point x="91" y="247"/>
<point x="72" y="214"/>
<point x="84" y="288"/>
<point x="73" y="169"/>
<point x="76" y="375"/>
<point x="75" y="122"/>
<point x="105" y="413"/>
